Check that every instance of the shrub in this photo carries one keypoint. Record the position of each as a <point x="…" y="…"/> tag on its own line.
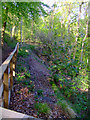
<point x="10" y="42"/>
<point x="42" y="108"/>
<point x="32" y="47"/>
<point x="25" y="82"/>
<point x="22" y="53"/>
<point x="62" y="104"/>
<point x="20" y="77"/>
<point x="31" y="86"/>
<point x="20" y="68"/>
<point x="27" y="75"/>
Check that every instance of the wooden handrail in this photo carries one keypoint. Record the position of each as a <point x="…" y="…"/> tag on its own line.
<point x="7" y="61"/>
<point x="7" y="71"/>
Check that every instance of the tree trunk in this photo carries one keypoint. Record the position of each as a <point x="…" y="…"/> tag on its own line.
<point x="84" y="38"/>
<point x="77" y="35"/>
<point x="21" y="30"/>
<point x="4" y="27"/>
<point x="83" y="42"/>
<point x="24" y="36"/>
<point x="12" y="32"/>
<point x="2" y="33"/>
<point x="62" y="26"/>
<point x="15" y="31"/>
<point x="32" y="30"/>
<point x="69" y="28"/>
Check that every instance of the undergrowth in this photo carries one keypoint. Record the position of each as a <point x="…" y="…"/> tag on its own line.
<point x="10" y="42"/>
<point x="42" y="108"/>
<point x="74" y="89"/>
<point x="70" y="88"/>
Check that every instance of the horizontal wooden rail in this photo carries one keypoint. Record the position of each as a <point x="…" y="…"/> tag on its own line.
<point x="7" y="71"/>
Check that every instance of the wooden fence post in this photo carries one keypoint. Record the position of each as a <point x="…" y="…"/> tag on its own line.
<point x="7" y="72"/>
<point x="13" y="66"/>
<point x="6" y="88"/>
<point x="11" y="74"/>
<point x="17" y="48"/>
<point x="15" y="56"/>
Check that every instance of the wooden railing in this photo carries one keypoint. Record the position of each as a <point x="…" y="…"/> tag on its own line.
<point x="7" y="72"/>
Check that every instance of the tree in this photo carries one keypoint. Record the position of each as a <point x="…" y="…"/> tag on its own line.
<point x="77" y="35"/>
<point x="21" y="9"/>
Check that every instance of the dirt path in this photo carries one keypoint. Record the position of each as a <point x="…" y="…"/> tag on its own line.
<point x="39" y="76"/>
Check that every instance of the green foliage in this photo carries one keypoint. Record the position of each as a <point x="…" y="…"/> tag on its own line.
<point x="10" y="42"/>
<point x="27" y="75"/>
<point x="51" y="82"/>
<point x="70" y="89"/>
<point x="23" y="100"/>
<point x="25" y="82"/>
<point x="32" y="47"/>
<point x="42" y="108"/>
<point x="20" y="77"/>
<point x="62" y="101"/>
<point x="56" y="77"/>
<point x="23" y="69"/>
<point x="65" y="68"/>
<point x="28" y="47"/>
<point x="81" y="81"/>
<point x="18" y="92"/>
<point x="22" y="53"/>
<point x="56" y="37"/>
<point x="40" y="92"/>
<point x="62" y="104"/>
<point x="31" y="86"/>
<point x="23" y="77"/>
<point x="13" y="12"/>
<point x="20" y="9"/>
<point x="20" y="68"/>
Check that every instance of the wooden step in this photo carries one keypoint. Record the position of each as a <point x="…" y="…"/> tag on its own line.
<point x="6" y="113"/>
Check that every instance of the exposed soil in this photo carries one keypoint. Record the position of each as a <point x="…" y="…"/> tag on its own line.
<point x="24" y="101"/>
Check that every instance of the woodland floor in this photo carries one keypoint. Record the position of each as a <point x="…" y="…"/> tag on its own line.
<point x="5" y="52"/>
<point x="24" y="101"/>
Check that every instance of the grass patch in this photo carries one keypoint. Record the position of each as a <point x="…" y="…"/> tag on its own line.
<point x="42" y="108"/>
<point x="27" y="47"/>
<point x="62" y="102"/>
<point x="77" y="100"/>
